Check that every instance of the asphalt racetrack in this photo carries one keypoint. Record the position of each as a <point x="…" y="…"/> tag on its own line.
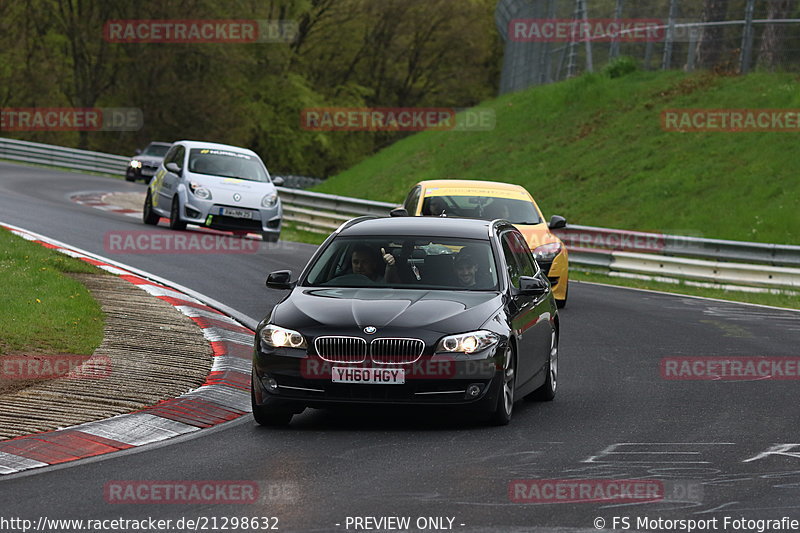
<point x="718" y="450"/>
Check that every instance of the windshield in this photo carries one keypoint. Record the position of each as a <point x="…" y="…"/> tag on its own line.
<point x="156" y="150"/>
<point x="419" y="263"/>
<point x="226" y="164"/>
<point x="484" y="207"/>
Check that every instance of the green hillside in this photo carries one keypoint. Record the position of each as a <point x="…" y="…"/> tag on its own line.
<point x="593" y="149"/>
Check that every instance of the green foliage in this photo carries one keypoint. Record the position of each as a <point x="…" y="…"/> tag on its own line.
<point x="620" y="66"/>
<point x="349" y="53"/>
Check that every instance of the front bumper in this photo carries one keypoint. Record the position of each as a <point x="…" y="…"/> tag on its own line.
<point x="306" y="381"/>
<point x="207" y="213"/>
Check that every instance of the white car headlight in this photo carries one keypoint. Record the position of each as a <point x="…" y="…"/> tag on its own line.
<point x="269" y="200"/>
<point x="547" y="252"/>
<point x="279" y="337"/>
<point x="475" y="341"/>
<point x="135" y="163"/>
<point x="200" y="191"/>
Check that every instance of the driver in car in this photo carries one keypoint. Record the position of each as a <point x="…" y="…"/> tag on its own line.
<point x="369" y="262"/>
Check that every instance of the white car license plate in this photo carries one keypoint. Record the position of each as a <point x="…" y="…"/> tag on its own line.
<point x="148" y="171"/>
<point x="236" y="213"/>
<point x="376" y="376"/>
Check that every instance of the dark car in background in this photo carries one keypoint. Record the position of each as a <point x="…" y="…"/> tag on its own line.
<point x="412" y="311"/>
<point x="145" y="163"/>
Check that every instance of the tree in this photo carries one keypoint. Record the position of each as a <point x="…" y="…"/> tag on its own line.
<point x="772" y="40"/>
<point x="710" y="44"/>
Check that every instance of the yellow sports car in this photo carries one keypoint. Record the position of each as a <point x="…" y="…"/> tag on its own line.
<point x="491" y="200"/>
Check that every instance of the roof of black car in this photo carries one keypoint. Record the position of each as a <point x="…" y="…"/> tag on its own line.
<point x="424" y="226"/>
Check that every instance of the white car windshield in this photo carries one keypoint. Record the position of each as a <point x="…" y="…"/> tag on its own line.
<point x="227" y="164"/>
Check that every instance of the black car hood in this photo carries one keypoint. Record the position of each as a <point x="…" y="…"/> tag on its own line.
<point x="440" y="311"/>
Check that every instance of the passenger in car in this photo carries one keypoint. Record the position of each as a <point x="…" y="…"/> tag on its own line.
<point x="369" y="262"/>
<point x="466" y="268"/>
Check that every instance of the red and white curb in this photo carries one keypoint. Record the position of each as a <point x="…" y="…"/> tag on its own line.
<point x="98" y="200"/>
<point x="224" y="396"/>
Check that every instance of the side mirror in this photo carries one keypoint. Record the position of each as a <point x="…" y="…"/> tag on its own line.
<point x="137" y="151"/>
<point x="280" y="279"/>
<point x="534" y="286"/>
<point x="557" y="222"/>
<point x="278" y="181"/>
<point x="399" y="212"/>
<point x="173" y="167"/>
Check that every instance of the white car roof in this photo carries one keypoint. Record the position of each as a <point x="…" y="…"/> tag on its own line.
<point x="216" y="146"/>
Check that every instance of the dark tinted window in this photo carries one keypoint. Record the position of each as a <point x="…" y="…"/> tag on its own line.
<point x="511" y="261"/>
<point x="420" y="263"/>
<point x="523" y="255"/>
<point x="411" y="201"/>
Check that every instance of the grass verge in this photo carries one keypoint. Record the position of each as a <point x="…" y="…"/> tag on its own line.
<point x="44" y="310"/>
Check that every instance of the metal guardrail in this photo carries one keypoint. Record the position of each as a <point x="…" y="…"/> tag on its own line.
<point x="714" y="260"/>
<point x="722" y="261"/>
<point x="58" y="156"/>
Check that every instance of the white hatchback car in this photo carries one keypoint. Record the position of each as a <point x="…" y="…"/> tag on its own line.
<point x="216" y="186"/>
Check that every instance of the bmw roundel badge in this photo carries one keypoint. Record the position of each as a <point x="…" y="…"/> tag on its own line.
<point x="369" y="330"/>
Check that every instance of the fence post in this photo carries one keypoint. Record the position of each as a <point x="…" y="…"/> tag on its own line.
<point x="547" y="75"/>
<point x="666" y="61"/>
<point x="614" y="51"/>
<point x="747" y="38"/>
<point x="589" y="60"/>
<point x="692" y="48"/>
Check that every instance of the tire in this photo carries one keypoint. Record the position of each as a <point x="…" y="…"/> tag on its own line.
<point x="149" y="216"/>
<point x="505" y="400"/>
<point x="270" y="237"/>
<point x="561" y="304"/>
<point x="175" y="221"/>
<point x="547" y="391"/>
<point x="269" y="416"/>
<point x="128" y="177"/>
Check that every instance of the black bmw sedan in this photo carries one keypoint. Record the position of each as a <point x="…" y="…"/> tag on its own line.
<point x="410" y="310"/>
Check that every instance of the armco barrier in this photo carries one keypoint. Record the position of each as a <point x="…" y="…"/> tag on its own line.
<point x="723" y="261"/>
<point x="58" y="156"/>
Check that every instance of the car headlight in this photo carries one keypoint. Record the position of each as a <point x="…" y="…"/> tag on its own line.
<point x="279" y="337"/>
<point x="135" y="163"/>
<point x="200" y="191"/>
<point x="547" y="252"/>
<point x="474" y="341"/>
<point x="269" y="200"/>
